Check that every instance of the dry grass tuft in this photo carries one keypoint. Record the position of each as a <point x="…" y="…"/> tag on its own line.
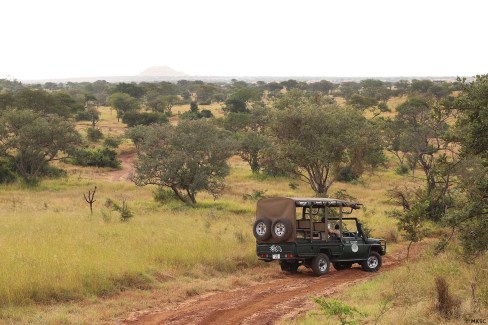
<point x="446" y="304"/>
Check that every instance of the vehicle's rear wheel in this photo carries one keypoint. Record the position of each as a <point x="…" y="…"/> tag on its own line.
<point x="262" y="229"/>
<point x="373" y="263"/>
<point x="320" y="264"/>
<point x="342" y="265"/>
<point x="281" y="230"/>
<point x="290" y="267"/>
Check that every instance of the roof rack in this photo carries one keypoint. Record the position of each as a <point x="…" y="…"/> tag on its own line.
<point x="327" y="202"/>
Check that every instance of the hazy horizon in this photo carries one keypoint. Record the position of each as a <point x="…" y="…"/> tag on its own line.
<point x="56" y="39"/>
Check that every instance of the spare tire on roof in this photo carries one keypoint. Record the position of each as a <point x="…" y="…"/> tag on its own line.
<point x="281" y="230"/>
<point x="262" y="229"/>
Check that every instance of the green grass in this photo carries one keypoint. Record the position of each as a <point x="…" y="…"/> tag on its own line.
<point x="52" y="249"/>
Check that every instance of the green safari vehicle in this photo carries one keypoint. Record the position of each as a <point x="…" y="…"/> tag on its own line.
<point x="314" y="232"/>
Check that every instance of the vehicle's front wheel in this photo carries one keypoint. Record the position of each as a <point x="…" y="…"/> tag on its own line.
<point x="290" y="267"/>
<point x="373" y="263"/>
<point x="342" y="265"/>
<point x="320" y="264"/>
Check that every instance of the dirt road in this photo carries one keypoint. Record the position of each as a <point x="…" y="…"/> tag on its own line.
<point x="266" y="303"/>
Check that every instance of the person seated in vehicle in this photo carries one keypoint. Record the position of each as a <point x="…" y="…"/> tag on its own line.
<point x="334" y="233"/>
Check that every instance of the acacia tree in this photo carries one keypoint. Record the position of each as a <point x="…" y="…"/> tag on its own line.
<point x="320" y="140"/>
<point x="421" y="132"/>
<point x="30" y="140"/>
<point x="249" y="129"/>
<point x="188" y="158"/>
<point x="123" y="103"/>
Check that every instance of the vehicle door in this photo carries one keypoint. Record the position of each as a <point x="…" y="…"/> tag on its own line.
<point x="354" y="246"/>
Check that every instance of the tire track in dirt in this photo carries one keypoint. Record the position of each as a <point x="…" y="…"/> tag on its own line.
<point x="265" y="303"/>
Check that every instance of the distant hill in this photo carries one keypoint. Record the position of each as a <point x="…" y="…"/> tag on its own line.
<point x="161" y="71"/>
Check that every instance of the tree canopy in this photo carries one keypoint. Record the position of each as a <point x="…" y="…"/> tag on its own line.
<point x="30" y="140"/>
<point x="321" y="140"/>
<point x="188" y="158"/>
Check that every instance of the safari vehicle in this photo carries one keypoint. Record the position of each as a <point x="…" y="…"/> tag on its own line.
<point x="299" y="231"/>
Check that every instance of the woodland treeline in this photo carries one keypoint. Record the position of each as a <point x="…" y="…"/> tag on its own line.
<point x="317" y="132"/>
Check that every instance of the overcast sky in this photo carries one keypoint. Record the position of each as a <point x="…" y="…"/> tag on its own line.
<point x="85" y="38"/>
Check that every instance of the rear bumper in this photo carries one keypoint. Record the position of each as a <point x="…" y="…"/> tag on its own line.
<point x="276" y="252"/>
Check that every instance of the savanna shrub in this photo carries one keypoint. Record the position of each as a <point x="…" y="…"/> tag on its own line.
<point x="7" y="174"/>
<point x="162" y="195"/>
<point x="347" y="175"/>
<point x="147" y="118"/>
<point x="99" y="157"/>
<point x="112" y="142"/>
<point x="84" y="116"/>
<point x="94" y="134"/>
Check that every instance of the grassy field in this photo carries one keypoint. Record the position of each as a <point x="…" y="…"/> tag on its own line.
<point x="62" y="265"/>
<point x="53" y="251"/>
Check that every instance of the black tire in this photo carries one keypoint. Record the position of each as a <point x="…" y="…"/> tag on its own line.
<point x="290" y="267"/>
<point x="373" y="263"/>
<point x="262" y="229"/>
<point x="281" y="230"/>
<point x="342" y="265"/>
<point x="320" y="264"/>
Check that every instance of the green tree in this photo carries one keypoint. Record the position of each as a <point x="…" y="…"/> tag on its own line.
<point x="188" y="158"/>
<point x="323" y="86"/>
<point x="349" y="88"/>
<point x="239" y="100"/>
<point x="162" y="104"/>
<point x="206" y="92"/>
<point x="421" y="131"/>
<point x="252" y="148"/>
<point x="320" y="141"/>
<point x="123" y="103"/>
<point x="375" y="89"/>
<point x="249" y="128"/>
<point x="402" y="87"/>
<point x="131" y="89"/>
<point x="30" y="140"/>
<point x="420" y="86"/>
<point x="41" y="101"/>
<point x="412" y="220"/>
<point x="470" y="213"/>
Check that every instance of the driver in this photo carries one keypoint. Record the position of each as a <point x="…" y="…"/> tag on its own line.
<point x="336" y="231"/>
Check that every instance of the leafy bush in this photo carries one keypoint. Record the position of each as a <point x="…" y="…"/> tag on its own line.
<point x="99" y="157"/>
<point x="83" y="116"/>
<point x="94" y="134"/>
<point x="53" y="172"/>
<point x="147" y="118"/>
<point x="124" y="210"/>
<point x="402" y="169"/>
<point x="346" y="314"/>
<point x="7" y="173"/>
<point x="189" y="115"/>
<point x="347" y="175"/>
<point x="112" y="142"/>
<point x="161" y="195"/>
